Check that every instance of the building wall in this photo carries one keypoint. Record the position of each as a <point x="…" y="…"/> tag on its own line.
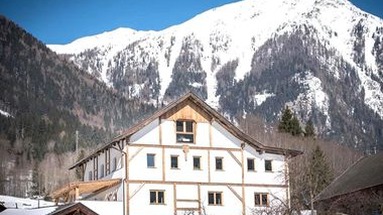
<point x="184" y="186"/>
<point x="101" y="161"/>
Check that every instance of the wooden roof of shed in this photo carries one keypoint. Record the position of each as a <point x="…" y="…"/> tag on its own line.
<point x="365" y="173"/>
<point x="84" y="187"/>
<point x="210" y="111"/>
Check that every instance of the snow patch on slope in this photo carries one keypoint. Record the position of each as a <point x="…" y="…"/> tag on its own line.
<point x="312" y="97"/>
<point x="4" y="113"/>
<point x="260" y="98"/>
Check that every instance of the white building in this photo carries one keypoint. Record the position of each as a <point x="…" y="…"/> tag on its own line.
<point x="185" y="158"/>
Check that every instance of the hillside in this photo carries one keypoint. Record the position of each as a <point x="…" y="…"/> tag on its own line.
<point x="45" y="99"/>
<point x="324" y="59"/>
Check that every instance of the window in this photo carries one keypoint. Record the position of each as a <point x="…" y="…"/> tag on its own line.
<point x="268" y="166"/>
<point x="114" y="164"/>
<point x="261" y="199"/>
<point x="102" y="169"/>
<point x="185" y="131"/>
<point x="157" y="197"/>
<point x="218" y="163"/>
<point x="215" y="198"/>
<point x="150" y="160"/>
<point x="196" y="162"/>
<point x="250" y="164"/>
<point x="90" y="174"/>
<point x="174" y="161"/>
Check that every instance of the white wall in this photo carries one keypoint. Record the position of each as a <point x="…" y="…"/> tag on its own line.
<point x="231" y="205"/>
<point x="147" y="135"/>
<point x="185" y="171"/>
<point x="168" y="129"/>
<point x="140" y="203"/>
<point x="232" y="171"/>
<point x="101" y="160"/>
<point x="138" y="169"/>
<point x="260" y="176"/>
<point x="222" y="138"/>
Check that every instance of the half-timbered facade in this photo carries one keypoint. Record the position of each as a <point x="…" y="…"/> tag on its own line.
<point x="186" y="158"/>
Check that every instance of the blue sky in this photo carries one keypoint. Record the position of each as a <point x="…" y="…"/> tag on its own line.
<point x="62" y="21"/>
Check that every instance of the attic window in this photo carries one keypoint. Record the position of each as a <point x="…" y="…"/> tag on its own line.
<point x="185" y="131"/>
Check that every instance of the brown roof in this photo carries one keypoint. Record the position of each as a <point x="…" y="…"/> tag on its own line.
<point x="365" y="173"/>
<point x="73" y="209"/>
<point x="85" y="187"/>
<point x="215" y="116"/>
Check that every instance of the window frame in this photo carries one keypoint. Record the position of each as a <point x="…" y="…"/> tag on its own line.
<point x="184" y="130"/>
<point x="216" y="164"/>
<point x="260" y="199"/>
<point x="267" y="162"/>
<point x="171" y="162"/>
<point x="157" y="199"/>
<point x="199" y="163"/>
<point x="252" y="160"/>
<point x="215" y="199"/>
<point x="147" y="160"/>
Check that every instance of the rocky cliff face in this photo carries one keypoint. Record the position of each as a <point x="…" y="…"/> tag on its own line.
<point x="322" y="58"/>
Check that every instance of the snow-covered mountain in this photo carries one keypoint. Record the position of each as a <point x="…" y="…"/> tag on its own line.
<point x="323" y="58"/>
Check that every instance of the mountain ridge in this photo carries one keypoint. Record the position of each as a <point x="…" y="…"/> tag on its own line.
<point x="334" y="34"/>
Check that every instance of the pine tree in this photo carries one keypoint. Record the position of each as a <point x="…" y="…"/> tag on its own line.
<point x="309" y="129"/>
<point x="35" y="189"/>
<point x="319" y="173"/>
<point x="289" y="123"/>
<point x="295" y="128"/>
<point x="285" y="123"/>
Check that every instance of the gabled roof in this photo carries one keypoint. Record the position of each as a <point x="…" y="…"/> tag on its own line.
<point x="210" y="111"/>
<point x="74" y="209"/>
<point x="365" y="173"/>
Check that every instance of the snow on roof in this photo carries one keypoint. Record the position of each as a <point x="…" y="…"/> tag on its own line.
<point x="22" y="206"/>
<point x="35" y="211"/>
<point x="104" y="207"/>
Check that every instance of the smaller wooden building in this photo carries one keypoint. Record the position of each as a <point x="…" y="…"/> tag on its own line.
<point x="359" y="190"/>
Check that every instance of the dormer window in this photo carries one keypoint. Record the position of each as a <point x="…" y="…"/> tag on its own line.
<point x="185" y="131"/>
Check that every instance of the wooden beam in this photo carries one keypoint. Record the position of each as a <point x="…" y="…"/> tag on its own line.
<point x="187" y="209"/>
<point x="174" y="198"/>
<point x="187" y="200"/>
<point x="235" y="158"/>
<point x="208" y="183"/>
<point x="137" y="190"/>
<point x="243" y="182"/>
<point x="160" y="130"/>
<point x="135" y="154"/>
<point x="235" y="193"/>
<point x="199" y="200"/>
<point x="179" y="146"/>
<point x="163" y="164"/>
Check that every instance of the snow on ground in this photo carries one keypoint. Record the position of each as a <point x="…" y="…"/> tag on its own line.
<point x="15" y="202"/>
<point x="23" y="206"/>
<point x="36" y="211"/>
